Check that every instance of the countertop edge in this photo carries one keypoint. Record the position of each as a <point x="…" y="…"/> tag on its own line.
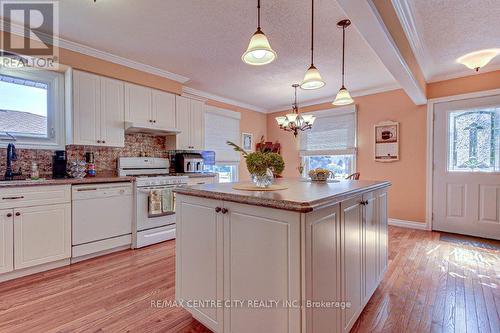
<point x="301" y="207"/>
<point x="67" y="181"/>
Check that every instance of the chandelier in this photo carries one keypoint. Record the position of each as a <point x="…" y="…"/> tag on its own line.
<point x="295" y="122"/>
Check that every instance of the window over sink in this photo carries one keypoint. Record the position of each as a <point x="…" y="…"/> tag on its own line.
<point x="32" y="108"/>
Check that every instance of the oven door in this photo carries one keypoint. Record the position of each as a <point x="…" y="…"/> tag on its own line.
<point x="143" y="217"/>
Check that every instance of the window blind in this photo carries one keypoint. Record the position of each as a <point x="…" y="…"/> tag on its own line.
<point x="222" y="126"/>
<point x="333" y="133"/>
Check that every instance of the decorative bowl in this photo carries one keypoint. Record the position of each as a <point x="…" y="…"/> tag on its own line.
<point x="320" y="175"/>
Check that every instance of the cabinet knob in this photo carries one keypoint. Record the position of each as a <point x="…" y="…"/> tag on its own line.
<point x="224" y="211"/>
<point x="18" y="214"/>
<point x="218" y="209"/>
<point x="154" y="121"/>
<point x="98" y="141"/>
<point x="103" y="141"/>
<point x="9" y="214"/>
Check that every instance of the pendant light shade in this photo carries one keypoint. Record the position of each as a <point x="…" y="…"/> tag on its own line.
<point x="343" y="96"/>
<point x="312" y="78"/>
<point x="259" y="51"/>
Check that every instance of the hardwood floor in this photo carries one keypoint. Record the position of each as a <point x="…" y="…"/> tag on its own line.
<point x="430" y="286"/>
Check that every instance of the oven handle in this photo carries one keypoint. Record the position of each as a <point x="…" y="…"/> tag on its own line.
<point x="149" y="189"/>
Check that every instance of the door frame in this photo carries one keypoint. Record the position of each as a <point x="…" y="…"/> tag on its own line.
<point x="430" y="143"/>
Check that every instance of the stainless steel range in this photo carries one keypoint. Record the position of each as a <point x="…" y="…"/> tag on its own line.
<point x="154" y="198"/>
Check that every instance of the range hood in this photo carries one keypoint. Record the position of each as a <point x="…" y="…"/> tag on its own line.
<point x="132" y="127"/>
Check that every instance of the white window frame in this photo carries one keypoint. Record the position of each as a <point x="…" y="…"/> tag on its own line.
<point x="55" y="111"/>
<point x="329" y="112"/>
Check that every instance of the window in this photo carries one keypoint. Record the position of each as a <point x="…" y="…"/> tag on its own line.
<point x="474" y="140"/>
<point x="331" y="143"/>
<point x="31" y="108"/>
<point x="222" y="126"/>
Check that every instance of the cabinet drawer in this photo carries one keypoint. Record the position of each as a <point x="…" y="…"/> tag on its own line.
<point x="201" y="180"/>
<point x="34" y="196"/>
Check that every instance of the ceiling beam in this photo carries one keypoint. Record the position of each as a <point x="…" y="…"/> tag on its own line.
<point x="370" y="25"/>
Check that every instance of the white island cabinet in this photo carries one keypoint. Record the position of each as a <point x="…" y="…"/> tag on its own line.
<point x="304" y="259"/>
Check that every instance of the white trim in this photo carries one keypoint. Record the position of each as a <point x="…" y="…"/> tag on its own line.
<point x="222" y="112"/>
<point x="18" y="29"/>
<point x="368" y="22"/>
<point x="430" y="142"/>
<point x="218" y="98"/>
<point x="408" y="224"/>
<point x="405" y="11"/>
<point x="463" y="73"/>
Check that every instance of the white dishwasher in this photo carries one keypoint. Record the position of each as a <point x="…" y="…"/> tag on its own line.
<point x="101" y="219"/>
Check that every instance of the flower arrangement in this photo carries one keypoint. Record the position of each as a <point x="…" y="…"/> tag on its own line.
<point x="263" y="166"/>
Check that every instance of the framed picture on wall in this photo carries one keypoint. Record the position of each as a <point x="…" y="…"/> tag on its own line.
<point x="247" y="141"/>
<point x="387" y="141"/>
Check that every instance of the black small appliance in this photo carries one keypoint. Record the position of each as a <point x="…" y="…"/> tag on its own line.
<point x="59" y="162"/>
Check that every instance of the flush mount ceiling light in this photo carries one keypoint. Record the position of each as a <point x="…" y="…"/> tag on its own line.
<point x="478" y="59"/>
<point x="295" y="122"/>
<point x="259" y="51"/>
<point x="312" y="78"/>
<point x="343" y="96"/>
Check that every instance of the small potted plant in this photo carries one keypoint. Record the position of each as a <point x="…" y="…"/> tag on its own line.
<point x="263" y="166"/>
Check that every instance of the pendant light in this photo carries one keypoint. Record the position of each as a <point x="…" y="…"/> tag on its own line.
<point x="295" y="122"/>
<point x="343" y="96"/>
<point x="259" y="51"/>
<point x="312" y="78"/>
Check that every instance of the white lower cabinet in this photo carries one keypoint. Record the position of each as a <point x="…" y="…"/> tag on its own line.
<point x="35" y="229"/>
<point x="6" y="241"/>
<point x="41" y="234"/>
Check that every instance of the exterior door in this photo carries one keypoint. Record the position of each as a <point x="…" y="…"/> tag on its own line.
<point x="466" y="171"/>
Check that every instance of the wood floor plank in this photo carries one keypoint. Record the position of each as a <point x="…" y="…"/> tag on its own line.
<point x="430" y="286"/>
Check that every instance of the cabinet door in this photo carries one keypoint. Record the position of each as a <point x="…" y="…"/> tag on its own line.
<point x="6" y="241"/>
<point x="112" y="113"/>
<point x="370" y="244"/>
<point x="261" y="262"/>
<point x="183" y="121"/>
<point x="197" y="125"/>
<point x="199" y="251"/>
<point x="138" y="104"/>
<point x="383" y="233"/>
<point x="352" y="260"/>
<point x="42" y="234"/>
<point x="86" y="108"/>
<point x="163" y="109"/>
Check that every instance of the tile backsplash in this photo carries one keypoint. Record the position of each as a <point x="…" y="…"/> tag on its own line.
<point x="105" y="157"/>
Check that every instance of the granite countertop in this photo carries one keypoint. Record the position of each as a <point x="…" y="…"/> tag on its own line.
<point x="100" y="178"/>
<point x="300" y="196"/>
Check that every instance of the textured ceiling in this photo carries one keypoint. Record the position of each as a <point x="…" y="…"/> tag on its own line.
<point x="204" y="40"/>
<point x="449" y="29"/>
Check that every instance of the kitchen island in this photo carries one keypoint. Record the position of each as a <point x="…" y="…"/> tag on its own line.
<point x="303" y="259"/>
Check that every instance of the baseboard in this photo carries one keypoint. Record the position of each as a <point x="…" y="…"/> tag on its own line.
<point x="408" y="224"/>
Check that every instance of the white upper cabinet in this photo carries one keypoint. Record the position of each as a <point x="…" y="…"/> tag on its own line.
<point x="98" y="110"/>
<point x="138" y="104"/>
<point x="149" y="108"/>
<point x="190" y="116"/>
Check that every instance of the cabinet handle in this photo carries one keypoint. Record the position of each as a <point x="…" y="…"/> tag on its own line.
<point x="218" y="209"/>
<point x="13" y="198"/>
<point x="364" y="203"/>
<point x="18" y="214"/>
<point x="9" y="214"/>
<point x="224" y="211"/>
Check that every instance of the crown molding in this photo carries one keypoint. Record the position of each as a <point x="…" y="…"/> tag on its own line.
<point x="405" y="11"/>
<point x="18" y="29"/>
<point x="203" y="94"/>
<point x="357" y="93"/>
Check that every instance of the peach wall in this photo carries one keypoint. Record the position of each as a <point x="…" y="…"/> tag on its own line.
<point x="473" y="83"/>
<point x="251" y="122"/>
<point x="407" y="193"/>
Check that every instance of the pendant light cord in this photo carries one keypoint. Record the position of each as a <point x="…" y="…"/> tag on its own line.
<point x="258" y="14"/>
<point x="312" y="32"/>
<point x="343" y="53"/>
